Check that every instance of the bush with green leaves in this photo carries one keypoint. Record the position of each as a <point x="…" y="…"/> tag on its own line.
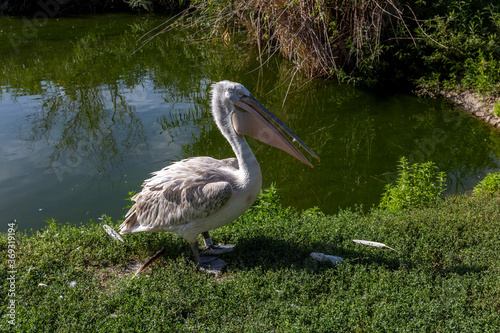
<point x="418" y="185"/>
<point x="489" y="186"/>
<point x="496" y="109"/>
<point x="459" y="45"/>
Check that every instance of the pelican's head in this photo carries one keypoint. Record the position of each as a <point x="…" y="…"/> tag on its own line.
<point x="234" y="107"/>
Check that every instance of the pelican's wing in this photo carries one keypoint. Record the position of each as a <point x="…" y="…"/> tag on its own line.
<point x="232" y="162"/>
<point x="183" y="192"/>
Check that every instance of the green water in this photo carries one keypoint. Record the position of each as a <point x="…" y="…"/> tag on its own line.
<point x="84" y="120"/>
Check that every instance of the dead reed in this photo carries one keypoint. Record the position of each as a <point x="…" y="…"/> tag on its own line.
<point x="322" y="37"/>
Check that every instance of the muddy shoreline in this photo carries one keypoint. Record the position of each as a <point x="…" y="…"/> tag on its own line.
<point x="475" y="104"/>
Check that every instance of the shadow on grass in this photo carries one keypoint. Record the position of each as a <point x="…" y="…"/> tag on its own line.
<point x="271" y="253"/>
<point x="268" y="253"/>
<point x="460" y="270"/>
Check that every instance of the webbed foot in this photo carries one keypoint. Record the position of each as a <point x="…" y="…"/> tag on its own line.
<point x="212" y="265"/>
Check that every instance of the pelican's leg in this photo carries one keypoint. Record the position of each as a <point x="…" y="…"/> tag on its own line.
<point x="207" y="239"/>
<point x="208" y="264"/>
<point x="196" y="252"/>
<point x="214" y="249"/>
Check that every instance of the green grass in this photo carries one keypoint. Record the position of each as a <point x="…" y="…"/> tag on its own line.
<point x="444" y="278"/>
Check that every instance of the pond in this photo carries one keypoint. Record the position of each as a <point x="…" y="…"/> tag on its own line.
<point x="84" y="119"/>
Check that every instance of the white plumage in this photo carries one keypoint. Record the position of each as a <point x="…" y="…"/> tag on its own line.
<point x="199" y="194"/>
<point x="184" y="196"/>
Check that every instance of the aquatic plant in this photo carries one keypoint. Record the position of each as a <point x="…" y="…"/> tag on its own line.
<point x="418" y="185"/>
<point x="489" y="186"/>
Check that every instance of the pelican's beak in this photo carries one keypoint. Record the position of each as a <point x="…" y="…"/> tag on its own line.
<point x="253" y="119"/>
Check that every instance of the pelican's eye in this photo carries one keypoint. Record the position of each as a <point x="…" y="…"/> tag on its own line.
<point x="240" y="94"/>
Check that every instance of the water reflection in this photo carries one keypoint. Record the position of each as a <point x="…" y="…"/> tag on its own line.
<point x="90" y="130"/>
<point x="361" y="136"/>
<point x="84" y="121"/>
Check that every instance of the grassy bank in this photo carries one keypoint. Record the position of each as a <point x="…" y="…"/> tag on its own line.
<point x="444" y="276"/>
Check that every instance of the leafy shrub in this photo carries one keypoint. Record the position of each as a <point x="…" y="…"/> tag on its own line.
<point x="460" y="45"/>
<point x="496" y="109"/>
<point x="418" y="185"/>
<point x="482" y="74"/>
<point x="489" y="186"/>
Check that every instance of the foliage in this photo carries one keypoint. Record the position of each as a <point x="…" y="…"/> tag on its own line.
<point x="496" y="109"/>
<point x="268" y="198"/>
<point x="463" y="46"/>
<point x="444" y="278"/>
<point x="432" y="44"/>
<point x="159" y="5"/>
<point x="489" y="186"/>
<point x="418" y="185"/>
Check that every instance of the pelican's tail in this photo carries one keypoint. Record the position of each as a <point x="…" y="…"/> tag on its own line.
<point x="130" y="222"/>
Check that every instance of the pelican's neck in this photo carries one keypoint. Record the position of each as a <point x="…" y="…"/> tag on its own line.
<point x="246" y="159"/>
<point x="247" y="162"/>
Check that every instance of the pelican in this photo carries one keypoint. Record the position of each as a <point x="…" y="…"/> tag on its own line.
<point x="198" y="194"/>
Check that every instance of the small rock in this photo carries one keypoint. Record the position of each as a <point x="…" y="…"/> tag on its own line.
<point x="326" y="257"/>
